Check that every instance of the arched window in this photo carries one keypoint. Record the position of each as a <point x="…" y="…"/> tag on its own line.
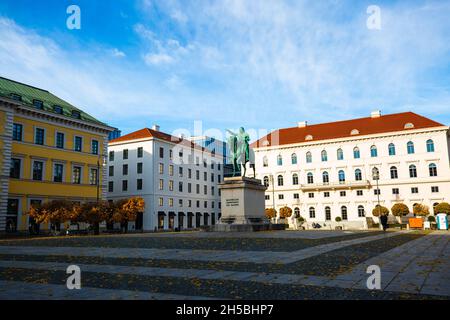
<point x="308" y="157"/>
<point x="325" y="177"/>
<point x="373" y="151"/>
<point x="344" y="212"/>
<point x="279" y="160"/>
<point x="280" y="180"/>
<point x="327" y="213"/>
<point x="296" y="212"/>
<point x="265" y="162"/>
<point x="361" y="212"/>
<point x="356" y="153"/>
<point x="433" y="170"/>
<point x="410" y="147"/>
<point x="295" y="179"/>
<point x="324" y="156"/>
<point x="312" y="212"/>
<point x="394" y="173"/>
<point x="340" y="154"/>
<point x="391" y="148"/>
<point x="294" y="158"/>
<point x="430" y="146"/>
<point x="375" y="173"/>
<point x="412" y="171"/>
<point x="266" y="181"/>
<point x="310" y="178"/>
<point x="358" y="175"/>
<point x="434" y="207"/>
<point x="341" y="175"/>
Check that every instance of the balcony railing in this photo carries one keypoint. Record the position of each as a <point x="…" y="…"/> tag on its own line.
<point x="336" y="185"/>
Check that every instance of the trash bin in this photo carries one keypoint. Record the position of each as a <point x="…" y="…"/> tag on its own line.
<point x="442" y="221"/>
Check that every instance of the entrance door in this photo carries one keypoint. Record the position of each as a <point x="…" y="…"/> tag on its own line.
<point x="12" y="213"/>
<point x="139" y="223"/>
<point x="180" y="220"/>
<point x="171" y="220"/>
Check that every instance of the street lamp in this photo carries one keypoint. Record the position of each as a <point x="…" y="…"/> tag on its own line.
<point x="376" y="177"/>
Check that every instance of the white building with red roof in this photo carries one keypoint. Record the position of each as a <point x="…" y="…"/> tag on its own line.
<point x="177" y="179"/>
<point x="327" y="170"/>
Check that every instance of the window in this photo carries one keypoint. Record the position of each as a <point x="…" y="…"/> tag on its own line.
<point x="311" y="195"/>
<point x="110" y="186"/>
<point x="14" y="170"/>
<point x="394" y="173"/>
<point x="17" y="132"/>
<point x="180" y="186"/>
<point x="161" y="184"/>
<point x="312" y="213"/>
<point x="412" y="171"/>
<point x="76" y="114"/>
<point x="324" y="156"/>
<point x="161" y="202"/>
<point x="296" y="196"/>
<point x="197" y="188"/>
<point x="373" y="152"/>
<point x="170" y="185"/>
<point x="280" y="197"/>
<point x="376" y="192"/>
<point x="375" y="173"/>
<point x="361" y="212"/>
<point x="76" y="175"/>
<point x="111" y="156"/>
<point x="294" y="158"/>
<point x="180" y="174"/>
<point x="308" y="157"/>
<point x="432" y="168"/>
<point x="327" y="213"/>
<point x="197" y="174"/>
<point x="279" y="160"/>
<point x="139" y="184"/>
<point x="125" y="169"/>
<point x="430" y="146"/>
<point x="161" y="152"/>
<point x="265" y="161"/>
<point x="111" y="171"/>
<point x="343" y="193"/>
<point x="39" y="135"/>
<point x="161" y="168"/>
<point x="435" y="189"/>
<point x="391" y="149"/>
<point x="395" y="191"/>
<point x="124" y="185"/>
<point x="190" y="174"/>
<point x="38" y="168"/>
<point x="266" y="181"/>
<point x="341" y="175"/>
<point x="344" y="212"/>
<point x="326" y="194"/>
<point x="16" y="97"/>
<point x="310" y="178"/>
<point x="58" y="172"/>
<point x="38" y="104"/>
<point x="58" y="109"/>
<point x="356" y="153"/>
<point x="140" y="152"/>
<point x="410" y="147"/>
<point x="170" y="154"/>
<point x="94" y="147"/>
<point x="325" y="177"/>
<point x="60" y="139"/>
<point x="340" y="154"/>
<point x="93" y="176"/>
<point x="280" y="180"/>
<point x="358" y="175"/>
<point x="189" y="187"/>
<point x="139" y="168"/>
<point x="414" y="190"/>
<point x="125" y="154"/>
<point x="359" y="193"/>
<point x="78" y="144"/>
<point x="267" y="197"/>
<point x="205" y="189"/>
<point x="295" y="179"/>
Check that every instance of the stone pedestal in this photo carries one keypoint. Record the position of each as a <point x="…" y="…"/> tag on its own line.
<point x="243" y="205"/>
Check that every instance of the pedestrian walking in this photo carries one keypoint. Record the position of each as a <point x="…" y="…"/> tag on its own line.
<point x="384" y="221"/>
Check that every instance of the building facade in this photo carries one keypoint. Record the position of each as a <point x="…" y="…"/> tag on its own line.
<point x="50" y="150"/>
<point x="346" y="168"/>
<point x="177" y="178"/>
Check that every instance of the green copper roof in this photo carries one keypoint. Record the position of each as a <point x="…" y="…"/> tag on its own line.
<point x="9" y="88"/>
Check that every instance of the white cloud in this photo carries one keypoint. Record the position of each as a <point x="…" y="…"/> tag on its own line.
<point x="117" y="53"/>
<point x="157" y="59"/>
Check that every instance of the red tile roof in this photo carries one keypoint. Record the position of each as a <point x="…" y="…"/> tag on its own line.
<point x="150" y="133"/>
<point x="343" y="129"/>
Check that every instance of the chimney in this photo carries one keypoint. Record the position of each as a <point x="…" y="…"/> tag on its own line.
<point x="155" y="127"/>
<point x="375" y="114"/>
<point x="302" y="124"/>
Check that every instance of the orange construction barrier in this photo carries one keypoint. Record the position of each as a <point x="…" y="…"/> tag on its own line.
<point x="416" y="223"/>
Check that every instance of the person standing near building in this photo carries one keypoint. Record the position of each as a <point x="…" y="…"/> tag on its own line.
<point x="384" y="221"/>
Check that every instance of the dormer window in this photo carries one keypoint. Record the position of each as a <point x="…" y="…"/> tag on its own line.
<point x="76" y="114"/>
<point x="354" y="132"/>
<point x="38" y="104"/>
<point x="308" y="137"/>
<point x="58" y="109"/>
<point x="16" y="97"/>
<point x="265" y="143"/>
<point x="409" y="125"/>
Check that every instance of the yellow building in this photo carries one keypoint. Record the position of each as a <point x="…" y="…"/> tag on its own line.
<point x="49" y="150"/>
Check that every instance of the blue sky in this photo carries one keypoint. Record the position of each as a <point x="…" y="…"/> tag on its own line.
<point x="260" y="64"/>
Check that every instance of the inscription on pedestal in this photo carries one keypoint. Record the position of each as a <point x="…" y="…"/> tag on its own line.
<point x="232" y="202"/>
